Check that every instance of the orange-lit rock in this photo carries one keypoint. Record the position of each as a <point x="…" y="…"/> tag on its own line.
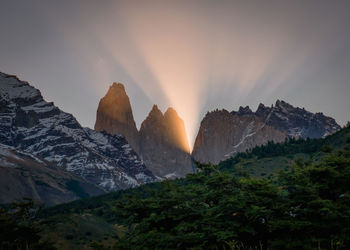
<point x="223" y="134"/>
<point x="114" y="115"/>
<point x="161" y="142"/>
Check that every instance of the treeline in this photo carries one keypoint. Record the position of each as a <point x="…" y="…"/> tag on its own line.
<point x="19" y="228"/>
<point x="217" y="210"/>
<point x="291" y="146"/>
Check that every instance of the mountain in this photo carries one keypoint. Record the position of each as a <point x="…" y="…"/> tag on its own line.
<point x="219" y="198"/>
<point x="297" y="122"/>
<point x="161" y="142"/>
<point x="114" y="115"/>
<point x="25" y="175"/>
<point x="223" y="134"/>
<point x="30" y="124"/>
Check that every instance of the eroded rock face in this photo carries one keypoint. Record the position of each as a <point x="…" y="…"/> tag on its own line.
<point x="223" y="134"/>
<point x="30" y="124"/>
<point x="114" y="115"/>
<point x="297" y="122"/>
<point x="163" y="144"/>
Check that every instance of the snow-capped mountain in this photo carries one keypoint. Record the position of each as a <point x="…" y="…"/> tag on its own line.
<point x="29" y="123"/>
<point x="23" y="174"/>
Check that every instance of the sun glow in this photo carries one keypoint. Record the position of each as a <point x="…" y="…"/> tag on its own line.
<point x="197" y="59"/>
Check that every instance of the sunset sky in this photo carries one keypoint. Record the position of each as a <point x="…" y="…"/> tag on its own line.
<point x="192" y="55"/>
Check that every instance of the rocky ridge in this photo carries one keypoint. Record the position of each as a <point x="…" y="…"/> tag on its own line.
<point x="161" y="142"/>
<point x="30" y="124"/>
<point x="222" y="134"/>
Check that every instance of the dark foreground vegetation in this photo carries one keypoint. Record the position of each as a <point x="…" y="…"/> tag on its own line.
<point x="294" y="195"/>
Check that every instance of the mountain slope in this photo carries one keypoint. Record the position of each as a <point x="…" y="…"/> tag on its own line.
<point x="25" y="175"/>
<point x="31" y="124"/>
<point x="223" y="134"/>
<point x="176" y="205"/>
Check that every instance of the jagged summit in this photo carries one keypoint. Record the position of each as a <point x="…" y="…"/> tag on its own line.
<point x="117" y="86"/>
<point x="155" y="113"/>
<point x="245" y="110"/>
<point x="114" y="114"/>
<point x="223" y="134"/>
<point x="30" y="124"/>
<point x="161" y="142"/>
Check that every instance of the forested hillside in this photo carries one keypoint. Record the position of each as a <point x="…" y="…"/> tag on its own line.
<point x="293" y="195"/>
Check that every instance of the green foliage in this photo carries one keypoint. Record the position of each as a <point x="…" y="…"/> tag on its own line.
<point x="18" y="229"/>
<point x="74" y="186"/>
<point x="217" y="210"/>
<point x="305" y="206"/>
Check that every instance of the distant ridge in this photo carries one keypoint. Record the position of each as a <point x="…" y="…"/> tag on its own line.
<point x="223" y="134"/>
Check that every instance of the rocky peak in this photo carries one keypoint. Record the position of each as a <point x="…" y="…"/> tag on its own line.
<point x="263" y="111"/>
<point x="222" y="134"/>
<point x="244" y="110"/>
<point x="30" y="124"/>
<point x="163" y="144"/>
<point x="176" y="130"/>
<point x="155" y="115"/>
<point x="114" y="115"/>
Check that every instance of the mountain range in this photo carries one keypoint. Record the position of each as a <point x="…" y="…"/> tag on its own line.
<point x="47" y="155"/>
<point x="33" y="125"/>
<point x="222" y="134"/>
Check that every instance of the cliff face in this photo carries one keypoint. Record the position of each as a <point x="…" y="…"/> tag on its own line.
<point x="222" y="134"/>
<point x="297" y="122"/>
<point x="163" y="144"/>
<point x="32" y="125"/>
<point x="114" y="115"/>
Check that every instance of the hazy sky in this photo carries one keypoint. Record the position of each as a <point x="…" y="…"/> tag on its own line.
<point x="192" y="55"/>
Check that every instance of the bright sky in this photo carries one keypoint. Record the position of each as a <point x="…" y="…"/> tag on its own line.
<point x="192" y="55"/>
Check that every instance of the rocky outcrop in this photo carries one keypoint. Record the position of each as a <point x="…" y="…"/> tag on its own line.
<point x="223" y="134"/>
<point x="30" y="124"/>
<point x="297" y="122"/>
<point x="163" y="144"/>
<point x="114" y="115"/>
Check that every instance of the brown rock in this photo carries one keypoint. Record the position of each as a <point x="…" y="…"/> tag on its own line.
<point x="223" y="134"/>
<point x="163" y="144"/>
<point x="114" y="115"/>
